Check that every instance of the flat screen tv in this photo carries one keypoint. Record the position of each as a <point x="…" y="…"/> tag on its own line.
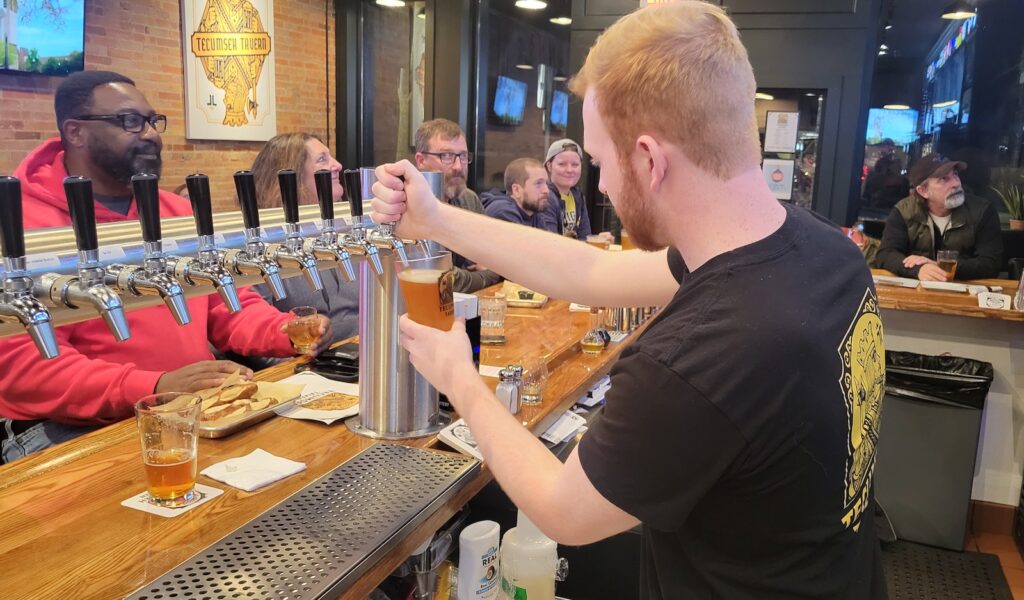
<point x="509" y="101"/>
<point x="900" y="126"/>
<point x="559" y="109"/>
<point x="40" y="36"/>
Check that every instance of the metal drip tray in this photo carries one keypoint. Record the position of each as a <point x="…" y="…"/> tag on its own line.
<point x="317" y="542"/>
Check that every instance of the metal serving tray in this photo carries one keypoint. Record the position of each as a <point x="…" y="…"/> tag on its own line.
<point x="247" y="420"/>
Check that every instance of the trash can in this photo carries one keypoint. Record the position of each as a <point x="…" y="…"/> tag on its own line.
<point x="931" y="421"/>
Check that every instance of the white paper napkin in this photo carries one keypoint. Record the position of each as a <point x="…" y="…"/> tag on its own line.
<point x="254" y="470"/>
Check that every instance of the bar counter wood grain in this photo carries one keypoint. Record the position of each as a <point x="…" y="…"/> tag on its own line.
<point x="947" y="303"/>
<point x="64" y="534"/>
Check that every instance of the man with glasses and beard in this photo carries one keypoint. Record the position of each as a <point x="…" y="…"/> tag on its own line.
<point x="441" y="146"/>
<point x="109" y="132"/>
<point x="938" y="215"/>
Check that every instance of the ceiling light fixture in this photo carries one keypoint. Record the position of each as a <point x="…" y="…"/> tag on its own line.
<point x="944" y="104"/>
<point x="883" y="47"/>
<point x="888" y="27"/>
<point x="959" y="11"/>
<point x="422" y="14"/>
<point x="524" y="67"/>
<point x="391" y="3"/>
<point x="560" y="78"/>
<point x="531" y="4"/>
<point x="763" y="96"/>
<point x="561" y="20"/>
<point x="896" y="107"/>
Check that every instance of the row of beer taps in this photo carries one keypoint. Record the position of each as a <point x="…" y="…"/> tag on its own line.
<point x="29" y="301"/>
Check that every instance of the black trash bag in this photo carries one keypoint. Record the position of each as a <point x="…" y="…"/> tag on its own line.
<point x="946" y="379"/>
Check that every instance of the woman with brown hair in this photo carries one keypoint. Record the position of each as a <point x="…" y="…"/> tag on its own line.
<point x="306" y="154"/>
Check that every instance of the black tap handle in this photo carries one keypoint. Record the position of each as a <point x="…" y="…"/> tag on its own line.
<point x="289" y="182"/>
<point x="353" y="192"/>
<point x="147" y="198"/>
<point x="245" y="187"/>
<point x="202" y="208"/>
<point x="12" y="228"/>
<point x="83" y="212"/>
<point x="324" y="193"/>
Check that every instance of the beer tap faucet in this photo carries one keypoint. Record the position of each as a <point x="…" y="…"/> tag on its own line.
<point x="17" y="304"/>
<point x="328" y="246"/>
<point x="384" y="234"/>
<point x="151" y="279"/>
<point x="89" y="286"/>
<point x="356" y="240"/>
<point x="253" y="259"/>
<point x="205" y="269"/>
<point x="291" y="252"/>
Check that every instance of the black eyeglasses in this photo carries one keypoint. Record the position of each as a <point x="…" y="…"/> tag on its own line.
<point x="447" y="158"/>
<point x="131" y="122"/>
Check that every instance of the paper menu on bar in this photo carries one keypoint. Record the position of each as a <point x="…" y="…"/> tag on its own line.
<point x="316" y="388"/>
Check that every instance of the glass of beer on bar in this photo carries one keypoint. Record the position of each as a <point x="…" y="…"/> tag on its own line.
<point x="304" y="328"/>
<point x="598" y="241"/>
<point x="428" y="287"/>
<point x="168" y="428"/>
<point x="947" y="260"/>
<point x="627" y="241"/>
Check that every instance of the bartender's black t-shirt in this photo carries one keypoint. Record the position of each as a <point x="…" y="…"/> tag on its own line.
<point x="741" y="427"/>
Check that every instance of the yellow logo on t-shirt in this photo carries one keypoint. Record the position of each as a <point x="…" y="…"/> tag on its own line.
<point x="863" y="383"/>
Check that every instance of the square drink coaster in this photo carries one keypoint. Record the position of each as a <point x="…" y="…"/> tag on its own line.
<point x="144" y="503"/>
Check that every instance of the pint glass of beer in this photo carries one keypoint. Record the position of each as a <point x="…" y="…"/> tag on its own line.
<point x="598" y="241"/>
<point x="428" y="287"/>
<point x="947" y="260"/>
<point x="168" y="428"/>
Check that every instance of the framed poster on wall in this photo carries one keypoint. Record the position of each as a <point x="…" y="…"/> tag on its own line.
<point x="778" y="174"/>
<point x="780" y="131"/>
<point x="229" y="69"/>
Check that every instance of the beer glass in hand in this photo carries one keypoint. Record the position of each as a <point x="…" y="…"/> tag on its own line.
<point x="168" y="427"/>
<point x="304" y="328"/>
<point x="428" y="287"/>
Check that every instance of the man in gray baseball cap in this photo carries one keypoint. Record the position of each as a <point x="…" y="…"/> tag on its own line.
<point x="939" y="215"/>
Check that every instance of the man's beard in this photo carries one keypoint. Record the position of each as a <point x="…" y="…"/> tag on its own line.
<point x="954" y="199"/>
<point x="537" y="205"/>
<point x="121" y="167"/>
<point x="635" y="211"/>
<point x="454" y="185"/>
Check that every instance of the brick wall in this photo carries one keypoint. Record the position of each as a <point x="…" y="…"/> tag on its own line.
<point x="142" y="40"/>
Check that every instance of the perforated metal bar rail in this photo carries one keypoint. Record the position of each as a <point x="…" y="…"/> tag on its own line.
<point x="318" y="541"/>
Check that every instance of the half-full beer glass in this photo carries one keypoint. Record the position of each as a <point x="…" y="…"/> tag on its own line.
<point x="168" y="427"/>
<point x="428" y="287"/>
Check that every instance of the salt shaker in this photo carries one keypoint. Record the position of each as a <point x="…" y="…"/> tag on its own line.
<point x="506" y="391"/>
<point x="517" y="376"/>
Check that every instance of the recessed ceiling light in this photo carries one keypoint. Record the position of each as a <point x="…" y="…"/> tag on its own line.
<point x="422" y="14"/>
<point x="959" y="10"/>
<point x="944" y="104"/>
<point x="883" y="52"/>
<point x="531" y="4"/>
<point x="561" y="20"/>
<point x="763" y="96"/>
<point x="810" y="94"/>
<point x="525" y="67"/>
<point x="888" y="27"/>
<point x="391" y="3"/>
<point x="560" y="78"/>
<point x="883" y="47"/>
<point x="896" y="107"/>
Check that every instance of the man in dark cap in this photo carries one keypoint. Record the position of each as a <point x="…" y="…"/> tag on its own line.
<point x="938" y="215"/>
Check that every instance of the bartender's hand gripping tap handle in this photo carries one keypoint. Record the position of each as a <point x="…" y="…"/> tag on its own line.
<point x="16" y="300"/>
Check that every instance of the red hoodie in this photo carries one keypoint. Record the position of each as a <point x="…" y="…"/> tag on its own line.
<point x="95" y="380"/>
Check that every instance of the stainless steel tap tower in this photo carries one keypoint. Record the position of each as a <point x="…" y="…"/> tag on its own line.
<point x="395" y="401"/>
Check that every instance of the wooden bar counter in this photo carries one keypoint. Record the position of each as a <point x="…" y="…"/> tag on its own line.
<point x="64" y="534"/>
<point x="937" y="322"/>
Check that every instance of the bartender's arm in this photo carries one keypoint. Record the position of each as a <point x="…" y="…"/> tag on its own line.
<point x="540" y="260"/>
<point x="559" y="499"/>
